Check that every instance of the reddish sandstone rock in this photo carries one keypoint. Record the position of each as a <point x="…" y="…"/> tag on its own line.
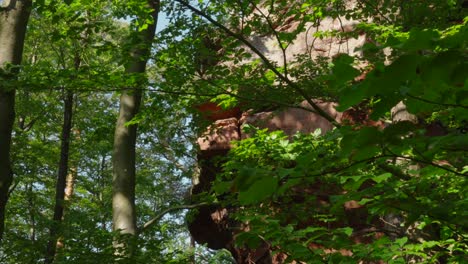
<point x="212" y="225"/>
<point x="211" y="111"/>
<point x="219" y="135"/>
<point x="292" y="120"/>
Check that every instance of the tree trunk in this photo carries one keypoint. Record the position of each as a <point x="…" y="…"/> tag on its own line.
<point x="61" y="178"/>
<point x="32" y="212"/>
<point x="14" y="15"/>
<point x="393" y="223"/>
<point x="399" y="114"/>
<point x="124" y="178"/>
<point x="70" y="184"/>
<point x="69" y="189"/>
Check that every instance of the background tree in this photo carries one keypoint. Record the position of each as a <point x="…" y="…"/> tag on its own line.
<point x="124" y="177"/>
<point x="55" y="35"/>
<point x="14" y="17"/>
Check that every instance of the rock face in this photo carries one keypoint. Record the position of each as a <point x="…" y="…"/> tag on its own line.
<point x="212" y="225"/>
<point x="293" y="120"/>
<point x="309" y="43"/>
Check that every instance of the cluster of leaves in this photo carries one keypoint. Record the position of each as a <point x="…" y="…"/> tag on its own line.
<point x="294" y="191"/>
<point x="294" y="194"/>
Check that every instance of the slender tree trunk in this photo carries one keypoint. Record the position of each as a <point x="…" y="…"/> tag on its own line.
<point x="32" y="213"/>
<point x="124" y="178"/>
<point x="101" y="184"/>
<point x="70" y="184"/>
<point x="14" y="15"/>
<point x="393" y="224"/>
<point x="69" y="189"/>
<point x="61" y="177"/>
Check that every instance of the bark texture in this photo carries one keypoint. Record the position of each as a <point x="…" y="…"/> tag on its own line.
<point x="124" y="176"/>
<point x="14" y="15"/>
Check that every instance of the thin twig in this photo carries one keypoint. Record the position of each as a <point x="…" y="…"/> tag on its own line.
<point x="427" y="163"/>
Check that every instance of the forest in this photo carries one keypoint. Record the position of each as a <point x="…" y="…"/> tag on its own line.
<point x="240" y="131"/>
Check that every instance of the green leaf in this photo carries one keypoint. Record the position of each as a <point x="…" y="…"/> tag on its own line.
<point x="401" y="241"/>
<point x="352" y="95"/>
<point x="347" y="230"/>
<point x="343" y="71"/>
<point x="368" y="136"/>
<point x="364" y="201"/>
<point x="261" y="189"/>
<point x="222" y="187"/>
<point x="382" y="177"/>
<point x="420" y="39"/>
<point x="248" y="238"/>
<point x="353" y="183"/>
<point x="225" y="101"/>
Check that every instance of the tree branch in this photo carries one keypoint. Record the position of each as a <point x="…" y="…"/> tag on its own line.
<point x="435" y="103"/>
<point x="430" y="163"/>
<point x="160" y="215"/>
<point x="394" y="171"/>
<point x="256" y="99"/>
<point x="345" y="167"/>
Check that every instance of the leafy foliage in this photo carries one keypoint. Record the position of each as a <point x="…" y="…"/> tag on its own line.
<point x="357" y="193"/>
<point x="295" y="191"/>
<point x="283" y="184"/>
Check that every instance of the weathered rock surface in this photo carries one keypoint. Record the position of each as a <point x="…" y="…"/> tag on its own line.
<point x="308" y="43"/>
<point x="219" y="135"/>
<point x="212" y="225"/>
<point x="293" y="120"/>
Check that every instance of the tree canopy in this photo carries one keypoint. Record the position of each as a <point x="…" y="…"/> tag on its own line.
<point x="101" y="105"/>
